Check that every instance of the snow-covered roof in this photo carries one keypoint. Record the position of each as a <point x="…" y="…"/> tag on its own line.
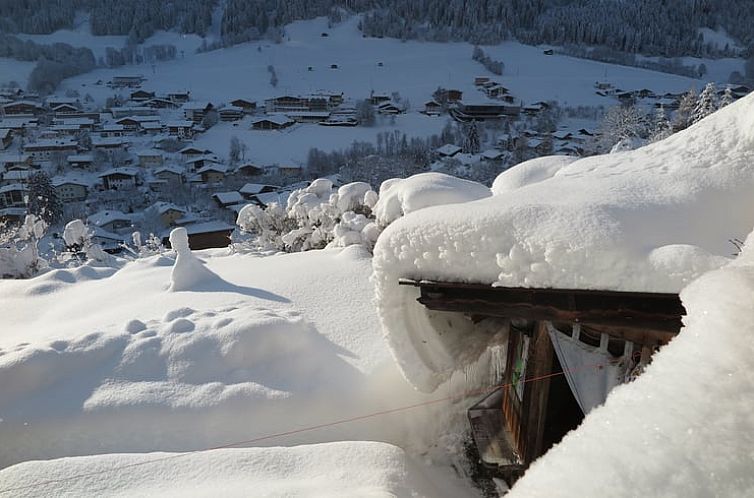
<point x="180" y="124"/>
<point x="647" y="220"/>
<point x="70" y="180"/>
<point x="164" y="207"/>
<point x="120" y="171"/>
<point x="226" y="198"/>
<point x="13" y="187"/>
<point x="448" y="150"/>
<point x="216" y="167"/>
<point x="208" y="227"/>
<point x="492" y="154"/>
<point x="255" y="188"/>
<point x="107" y="216"/>
<point x="277" y="119"/>
<point x="171" y="168"/>
<point x="150" y="153"/>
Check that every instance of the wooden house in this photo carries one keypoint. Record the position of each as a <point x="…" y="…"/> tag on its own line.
<point x="248" y="106"/>
<point x="205" y="235"/>
<point x="169" y="174"/>
<point x="141" y="96"/>
<point x="226" y="199"/>
<point x="183" y="129"/>
<point x="389" y="108"/>
<point x="190" y="152"/>
<point x="252" y="189"/>
<point x="71" y="190"/>
<point x="179" y="96"/>
<point x="607" y="337"/>
<point x="448" y="150"/>
<point x="483" y="111"/>
<point x="212" y="173"/>
<point x="13" y="195"/>
<point x="23" y="108"/>
<point x="249" y="169"/>
<point x="231" y="113"/>
<point x="109" y="145"/>
<point x="150" y="158"/>
<point x="111" y="220"/>
<point x="120" y="178"/>
<point x="65" y="109"/>
<point x="122" y="112"/>
<point x="80" y="161"/>
<point x="45" y="150"/>
<point x="127" y="81"/>
<point x="481" y="80"/>
<point x="168" y="212"/>
<point x="276" y="122"/>
<point x="432" y="108"/>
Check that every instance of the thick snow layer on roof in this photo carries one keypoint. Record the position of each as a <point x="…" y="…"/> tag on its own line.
<point x="652" y="219"/>
<point x="343" y="469"/>
<point x="402" y="196"/>
<point x="684" y="428"/>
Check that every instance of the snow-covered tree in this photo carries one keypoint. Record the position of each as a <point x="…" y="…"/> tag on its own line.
<point x="661" y="127"/>
<point x="471" y="143"/>
<point x="43" y="200"/>
<point x="622" y="124"/>
<point x="727" y="98"/>
<point x="684" y="114"/>
<point x="706" y="104"/>
<point x="19" y="248"/>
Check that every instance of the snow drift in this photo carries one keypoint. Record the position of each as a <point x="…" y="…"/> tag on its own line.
<point x="651" y="219"/>
<point x="684" y="427"/>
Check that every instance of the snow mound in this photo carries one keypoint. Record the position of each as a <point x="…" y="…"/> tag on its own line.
<point x="684" y="427"/>
<point x="188" y="271"/>
<point x="402" y="196"/>
<point x="344" y="469"/>
<point x="652" y="219"/>
<point x="529" y="172"/>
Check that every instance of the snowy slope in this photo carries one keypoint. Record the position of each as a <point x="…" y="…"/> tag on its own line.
<point x="652" y="219"/>
<point x="98" y="362"/>
<point x="684" y="427"/>
<point x="13" y="70"/>
<point x="345" y="469"/>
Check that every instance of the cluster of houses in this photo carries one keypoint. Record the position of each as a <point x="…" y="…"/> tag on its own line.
<point x="668" y="101"/>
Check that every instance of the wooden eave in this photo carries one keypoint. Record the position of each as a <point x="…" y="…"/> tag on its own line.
<point x="622" y="313"/>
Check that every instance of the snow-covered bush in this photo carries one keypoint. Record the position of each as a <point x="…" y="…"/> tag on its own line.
<point x="19" y="251"/>
<point x="79" y="247"/>
<point x="313" y="218"/>
<point x="142" y="249"/>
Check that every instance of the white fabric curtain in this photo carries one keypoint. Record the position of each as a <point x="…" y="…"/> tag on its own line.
<point x="591" y="372"/>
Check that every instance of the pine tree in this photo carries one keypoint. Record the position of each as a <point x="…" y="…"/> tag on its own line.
<point x="43" y="200"/>
<point x="706" y="104"/>
<point x="727" y="98"/>
<point x="661" y="128"/>
<point x="471" y="143"/>
<point x="685" y="111"/>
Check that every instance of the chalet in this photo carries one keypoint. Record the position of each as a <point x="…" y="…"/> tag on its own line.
<point x="141" y="96"/>
<point x="168" y="212"/>
<point x="308" y="116"/>
<point x="249" y="169"/>
<point x="225" y="199"/>
<point x="161" y="103"/>
<point x="319" y="102"/>
<point x="267" y="198"/>
<point x="432" y="108"/>
<point x="212" y="173"/>
<point x="112" y="130"/>
<point x="248" y="106"/>
<point x="252" y="189"/>
<point x="110" y="220"/>
<point x="481" y="80"/>
<point x="15" y="176"/>
<point x="70" y="190"/>
<point x="196" y="163"/>
<point x="45" y="150"/>
<point x="231" y="113"/>
<point x="23" y="108"/>
<point x="13" y="196"/>
<point x="207" y="235"/>
<point x="152" y="127"/>
<point x="496" y="91"/>
<point x="195" y="111"/>
<point x="180" y="129"/>
<point x="53" y="102"/>
<point x="135" y="123"/>
<point x="483" y="111"/>
<point x="82" y="123"/>
<point x="65" y="130"/>
<point x="127" y="81"/>
<point x="6" y="138"/>
<point x="81" y="161"/>
<point x="276" y="122"/>
<point x="120" y="178"/>
<point x="109" y="145"/>
<point x="604" y="86"/>
<point x="288" y="170"/>
<point x="448" y="150"/>
<point x="122" y="112"/>
<point x="170" y="174"/>
<point x="150" y="158"/>
<point x="389" y="108"/>
<point x="340" y="120"/>
<point x="65" y="109"/>
<point x="180" y="96"/>
<point x="191" y="152"/>
<point x="19" y="125"/>
<point x="12" y="162"/>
